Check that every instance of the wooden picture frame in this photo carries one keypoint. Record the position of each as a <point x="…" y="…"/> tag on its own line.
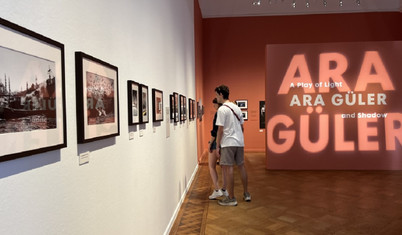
<point x="97" y="91"/>
<point x="32" y="94"/>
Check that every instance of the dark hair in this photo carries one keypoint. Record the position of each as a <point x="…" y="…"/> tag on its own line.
<point x="223" y="90"/>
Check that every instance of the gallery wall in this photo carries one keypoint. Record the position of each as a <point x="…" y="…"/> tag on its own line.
<point x="129" y="186"/>
<point x="234" y="53"/>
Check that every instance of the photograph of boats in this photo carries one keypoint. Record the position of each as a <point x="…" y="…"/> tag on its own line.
<point x="32" y="97"/>
<point x="27" y="92"/>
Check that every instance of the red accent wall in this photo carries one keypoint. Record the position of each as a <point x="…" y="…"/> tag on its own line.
<point x="198" y="74"/>
<point x="234" y="53"/>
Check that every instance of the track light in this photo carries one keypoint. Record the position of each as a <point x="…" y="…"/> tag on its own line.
<point x="256" y="2"/>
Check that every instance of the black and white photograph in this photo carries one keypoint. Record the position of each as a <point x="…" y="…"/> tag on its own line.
<point x="244" y="113"/>
<point x="262" y="114"/>
<point x="183" y="110"/>
<point x="242" y="104"/>
<point x="133" y="102"/>
<point x="144" y="115"/>
<point x="32" y="99"/>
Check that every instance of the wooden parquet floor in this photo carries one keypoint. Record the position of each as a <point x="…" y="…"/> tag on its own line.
<point x="297" y="202"/>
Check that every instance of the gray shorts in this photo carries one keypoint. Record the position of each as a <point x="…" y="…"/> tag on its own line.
<point x="232" y="155"/>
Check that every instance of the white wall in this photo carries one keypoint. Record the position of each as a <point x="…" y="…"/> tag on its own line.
<point x="128" y="186"/>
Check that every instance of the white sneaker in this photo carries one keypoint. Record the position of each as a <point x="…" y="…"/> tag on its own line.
<point x="215" y="194"/>
<point x="225" y="193"/>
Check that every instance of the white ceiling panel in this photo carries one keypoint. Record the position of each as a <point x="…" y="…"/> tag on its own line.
<point x="237" y="8"/>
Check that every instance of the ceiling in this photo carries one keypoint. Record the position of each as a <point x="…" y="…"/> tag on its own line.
<point x="237" y="8"/>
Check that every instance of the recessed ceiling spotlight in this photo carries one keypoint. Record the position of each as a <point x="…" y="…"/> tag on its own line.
<point x="256" y="2"/>
<point x="307" y="4"/>
<point x="325" y="3"/>
<point x="294" y="4"/>
<point x="340" y="3"/>
<point x="358" y="2"/>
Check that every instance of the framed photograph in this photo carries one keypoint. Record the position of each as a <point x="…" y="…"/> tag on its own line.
<point x="171" y="105"/>
<point x="242" y="104"/>
<point x="157" y="105"/>
<point x="144" y="115"/>
<point x="133" y="102"/>
<point x="191" y="109"/>
<point x="244" y="113"/>
<point x="194" y="110"/>
<point x="190" y="117"/>
<point x="183" y="110"/>
<point x="97" y="98"/>
<point x="176" y="107"/>
<point x="262" y="114"/>
<point x="32" y="93"/>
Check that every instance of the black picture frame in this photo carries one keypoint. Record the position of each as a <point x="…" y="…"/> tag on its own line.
<point x="171" y="105"/>
<point x="176" y="107"/>
<point x="144" y="104"/>
<point x="191" y="108"/>
<point x="157" y="105"/>
<point x="262" y="115"/>
<point x="183" y="108"/>
<point x="133" y="93"/>
<point x="194" y="110"/>
<point x="243" y="104"/>
<point x="97" y="92"/>
<point x="39" y="108"/>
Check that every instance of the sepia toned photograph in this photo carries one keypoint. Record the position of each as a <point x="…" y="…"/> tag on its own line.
<point x="97" y="99"/>
<point x="157" y="105"/>
<point x="32" y="99"/>
<point x="133" y="102"/>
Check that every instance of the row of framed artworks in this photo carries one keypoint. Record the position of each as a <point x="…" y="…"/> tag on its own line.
<point x="138" y="107"/>
<point x="33" y="99"/>
<point x="178" y="108"/>
<point x="243" y="104"/>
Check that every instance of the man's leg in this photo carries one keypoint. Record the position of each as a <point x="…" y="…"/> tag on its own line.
<point x="244" y="177"/>
<point x="230" y="180"/>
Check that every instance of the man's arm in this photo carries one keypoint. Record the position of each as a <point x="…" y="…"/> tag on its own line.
<point x="218" y="139"/>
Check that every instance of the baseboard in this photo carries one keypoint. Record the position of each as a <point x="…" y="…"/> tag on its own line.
<point x="183" y="196"/>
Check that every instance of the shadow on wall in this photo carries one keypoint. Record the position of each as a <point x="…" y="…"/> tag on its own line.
<point x="20" y="165"/>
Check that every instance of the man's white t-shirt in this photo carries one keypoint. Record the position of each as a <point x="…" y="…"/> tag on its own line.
<point x="232" y="132"/>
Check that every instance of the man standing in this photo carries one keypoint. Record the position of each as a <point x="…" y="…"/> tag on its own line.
<point x="230" y="144"/>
